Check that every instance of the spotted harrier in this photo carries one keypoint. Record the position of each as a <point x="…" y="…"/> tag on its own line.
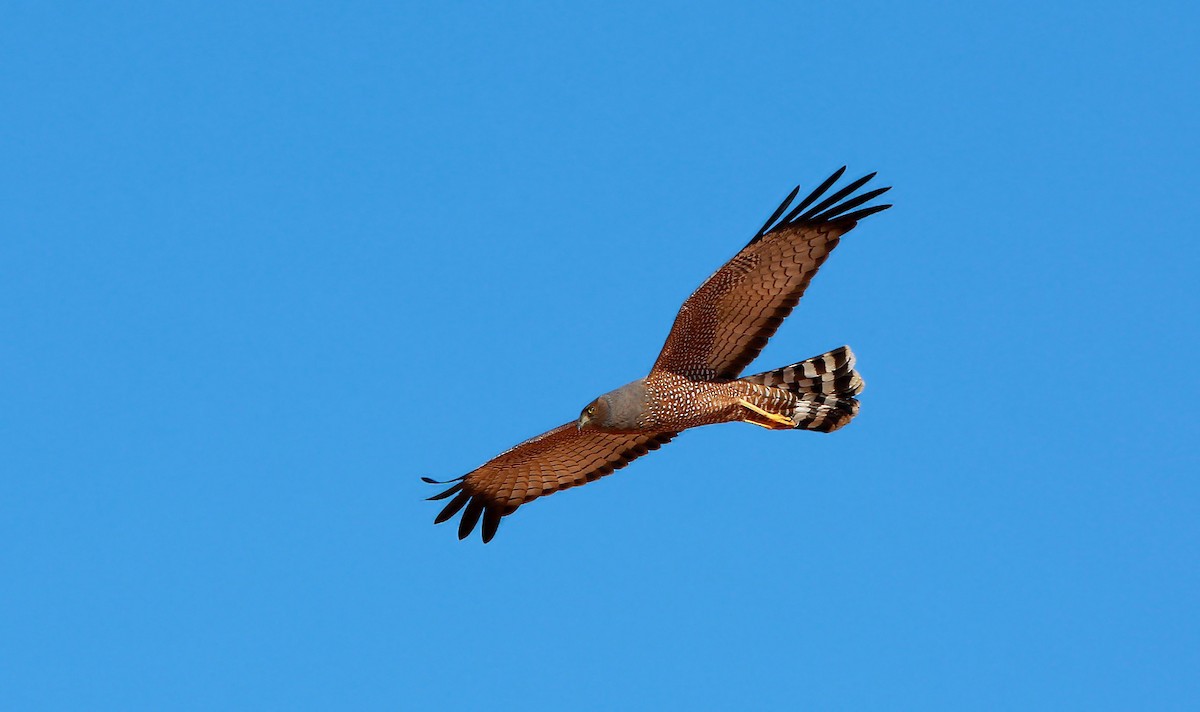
<point x="697" y="379"/>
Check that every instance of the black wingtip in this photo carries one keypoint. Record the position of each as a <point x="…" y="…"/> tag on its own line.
<point x="470" y="518"/>
<point x="452" y="508"/>
<point x="860" y="214"/>
<point x="816" y="193"/>
<point x="778" y="211"/>
<point x="491" y="522"/>
<point x="842" y="193"/>
<point x="847" y="205"/>
<point x="829" y="208"/>
<point x="447" y="493"/>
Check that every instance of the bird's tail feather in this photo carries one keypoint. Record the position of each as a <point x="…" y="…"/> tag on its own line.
<point x="826" y="386"/>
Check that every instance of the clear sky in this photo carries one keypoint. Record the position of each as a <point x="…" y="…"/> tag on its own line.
<point x="263" y="267"/>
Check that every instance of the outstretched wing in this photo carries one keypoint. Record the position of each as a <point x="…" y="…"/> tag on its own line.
<point x="553" y="461"/>
<point x="724" y="325"/>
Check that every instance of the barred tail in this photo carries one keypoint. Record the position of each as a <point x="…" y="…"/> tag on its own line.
<point x="825" y="386"/>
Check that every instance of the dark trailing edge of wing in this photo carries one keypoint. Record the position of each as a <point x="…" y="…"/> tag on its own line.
<point x="474" y="506"/>
<point x="828" y="210"/>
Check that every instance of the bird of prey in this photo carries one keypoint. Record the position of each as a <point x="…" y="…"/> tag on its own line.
<point x="696" y="380"/>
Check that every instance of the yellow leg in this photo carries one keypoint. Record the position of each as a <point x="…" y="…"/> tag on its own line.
<point x="774" y="417"/>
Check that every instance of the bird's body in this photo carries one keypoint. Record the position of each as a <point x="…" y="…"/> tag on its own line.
<point x="676" y="403"/>
<point x="696" y="379"/>
<point x="672" y="403"/>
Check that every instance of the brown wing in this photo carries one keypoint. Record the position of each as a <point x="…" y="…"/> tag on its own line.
<point x="724" y="325"/>
<point x="553" y="461"/>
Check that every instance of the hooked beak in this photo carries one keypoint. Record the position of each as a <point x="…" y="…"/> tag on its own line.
<point x="583" y="420"/>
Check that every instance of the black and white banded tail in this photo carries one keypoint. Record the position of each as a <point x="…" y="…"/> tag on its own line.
<point x="826" y="387"/>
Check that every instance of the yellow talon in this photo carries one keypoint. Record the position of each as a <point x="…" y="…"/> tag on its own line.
<point x="774" y="417"/>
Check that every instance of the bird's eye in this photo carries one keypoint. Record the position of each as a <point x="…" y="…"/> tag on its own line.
<point x="591" y="410"/>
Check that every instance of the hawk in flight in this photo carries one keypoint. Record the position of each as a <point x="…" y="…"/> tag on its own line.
<point x="696" y="380"/>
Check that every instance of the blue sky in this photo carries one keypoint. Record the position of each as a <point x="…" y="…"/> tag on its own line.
<point x="263" y="267"/>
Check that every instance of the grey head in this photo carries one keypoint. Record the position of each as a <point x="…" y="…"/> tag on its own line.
<point x="616" y="411"/>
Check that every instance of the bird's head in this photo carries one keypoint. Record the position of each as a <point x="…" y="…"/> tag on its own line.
<point x="593" y="415"/>
<point x="617" y="411"/>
